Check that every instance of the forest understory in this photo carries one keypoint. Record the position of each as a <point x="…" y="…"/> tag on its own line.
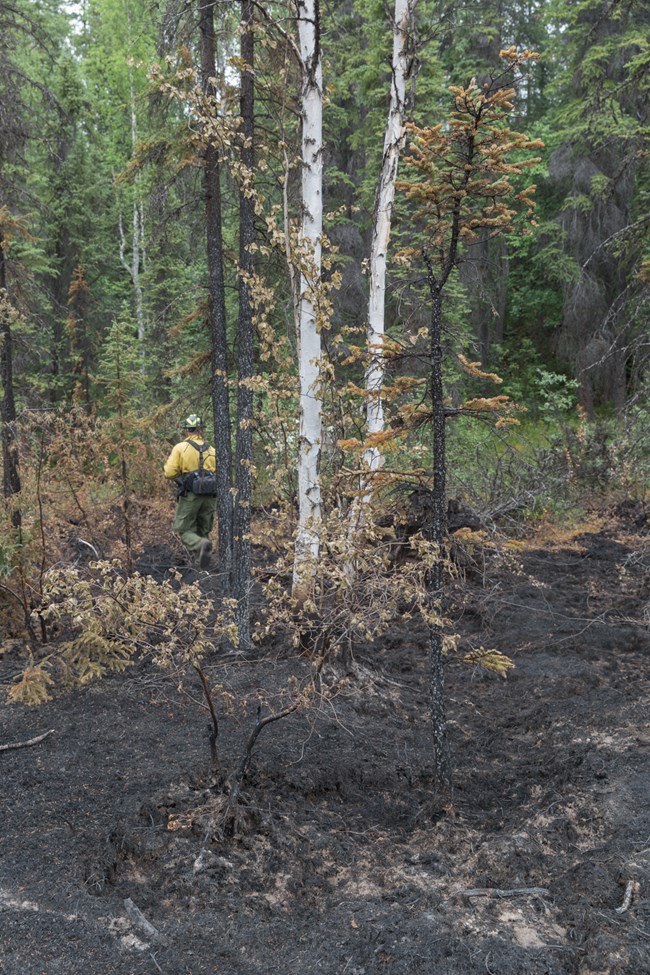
<point x="392" y="259"/>
<point x="115" y="860"/>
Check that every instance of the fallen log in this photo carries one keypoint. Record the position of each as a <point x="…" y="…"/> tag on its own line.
<point x="26" y="744"/>
<point x="496" y="892"/>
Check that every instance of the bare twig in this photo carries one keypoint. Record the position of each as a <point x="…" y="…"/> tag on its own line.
<point x="240" y="772"/>
<point x="291" y="44"/>
<point x="81" y="541"/>
<point x="139" y="920"/>
<point x="261" y="723"/>
<point x="153" y="958"/>
<point x="496" y="892"/>
<point x="627" y="900"/>
<point x="25" y="609"/>
<point x="214" y="731"/>
<point x="41" y="523"/>
<point x="79" y="505"/>
<point x="26" y="744"/>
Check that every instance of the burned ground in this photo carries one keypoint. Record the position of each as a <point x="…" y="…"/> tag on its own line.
<point x="113" y="861"/>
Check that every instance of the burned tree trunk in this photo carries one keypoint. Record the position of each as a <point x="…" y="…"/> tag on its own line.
<point x="441" y="754"/>
<point x="217" y="306"/>
<point x="245" y="341"/>
<point x="10" y="467"/>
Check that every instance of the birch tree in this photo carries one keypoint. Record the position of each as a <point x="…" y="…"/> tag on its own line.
<point x="309" y="339"/>
<point x="404" y="65"/>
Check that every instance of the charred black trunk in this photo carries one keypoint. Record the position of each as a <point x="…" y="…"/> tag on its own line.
<point x="241" y="574"/>
<point x="81" y="346"/>
<point x="441" y="755"/>
<point x="217" y="309"/>
<point x="11" y="472"/>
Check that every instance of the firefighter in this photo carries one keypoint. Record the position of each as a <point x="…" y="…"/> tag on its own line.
<point x="192" y="465"/>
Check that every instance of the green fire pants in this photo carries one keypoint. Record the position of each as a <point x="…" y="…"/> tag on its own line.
<point x="194" y="519"/>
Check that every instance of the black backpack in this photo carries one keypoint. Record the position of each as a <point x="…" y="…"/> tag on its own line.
<point x="201" y="482"/>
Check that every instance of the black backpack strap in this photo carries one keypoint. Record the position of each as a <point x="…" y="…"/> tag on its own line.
<point x="201" y="447"/>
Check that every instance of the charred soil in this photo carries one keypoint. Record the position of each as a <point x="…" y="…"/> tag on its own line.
<point x="114" y="861"/>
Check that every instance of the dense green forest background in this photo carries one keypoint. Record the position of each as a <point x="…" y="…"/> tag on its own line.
<point x="104" y="241"/>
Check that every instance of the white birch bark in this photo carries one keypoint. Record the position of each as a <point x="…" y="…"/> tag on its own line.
<point x="309" y="340"/>
<point x="402" y="68"/>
